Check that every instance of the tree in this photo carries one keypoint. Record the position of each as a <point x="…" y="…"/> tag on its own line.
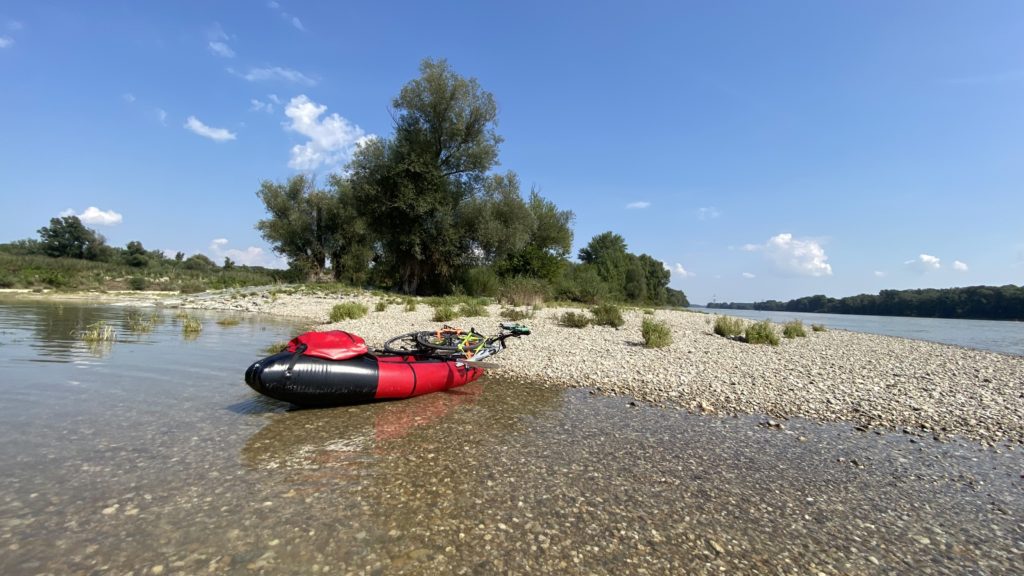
<point x="607" y="253"/>
<point x="199" y="262"/>
<point x="66" y="237"/>
<point x="228" y="263"/>
<point x="179" y="256"/>
<point x="410" y="188"/>
<point x="297" y="228"/>
<point x="135" y="255"/>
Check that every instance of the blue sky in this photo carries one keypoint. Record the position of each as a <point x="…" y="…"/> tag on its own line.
<point x="760" y="149"/>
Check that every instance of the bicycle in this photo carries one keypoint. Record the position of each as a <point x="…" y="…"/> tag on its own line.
<point x="454" y="343"/>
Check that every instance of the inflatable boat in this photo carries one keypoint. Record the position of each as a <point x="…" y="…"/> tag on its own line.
<point x="335" y="368"/>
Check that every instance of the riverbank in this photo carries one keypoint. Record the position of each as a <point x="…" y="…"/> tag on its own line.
<point x="874" y="382"/>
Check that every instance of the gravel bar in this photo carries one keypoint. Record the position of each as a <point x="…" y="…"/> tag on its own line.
<point x="876" y="382"/>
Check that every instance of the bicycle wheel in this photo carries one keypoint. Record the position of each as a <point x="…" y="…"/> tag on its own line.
<point x="406" y="345"/>
<point x="450" y="342"/>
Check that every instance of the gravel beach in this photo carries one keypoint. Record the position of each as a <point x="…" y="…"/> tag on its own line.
<point x="874" y="382"/>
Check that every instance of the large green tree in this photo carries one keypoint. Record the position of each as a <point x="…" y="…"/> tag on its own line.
<point x="410" y="189"/>
<point x="68" y="237"/>
<point x="299" y="224"/>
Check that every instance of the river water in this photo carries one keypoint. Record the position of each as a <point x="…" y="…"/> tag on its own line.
<point x="1006" y="337"/>
<point x="150" y="456"/>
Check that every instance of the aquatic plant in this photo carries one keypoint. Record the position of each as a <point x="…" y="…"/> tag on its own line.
<point x="574" y="320"/>
<point x="348" y="311"/>
<point x="138" y="322"/>
<point x="226" y="322"/>
<point x="276" y="347"/>
<point x="608" y="315"/>
<point x="96" y="332"/>
<point x="729" y="326"/>
<point x="191" y="325"/>
<point x="762" y="333"/>
<point x="656" y="334"/>
<point x="794" y="329"/>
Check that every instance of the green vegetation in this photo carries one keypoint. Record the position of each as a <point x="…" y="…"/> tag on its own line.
<point x="574" y="320"/>
<point x="410" y="304"/>
<point x="228" y="322"/>
<point x="762" y="333"/>
<point x="475" y="308"/>
<point x="608" y="315"/>
<point x="191" y="325"/>
<point x="96" y="332"/>
<point x="794" y="329"/>
<point x="818" y="327"/>
<point x="348" y="311"/>
<point x="656" y="334"/>
<point x="139" y="322"/>
<point x="381" y="306"/>
<point x="276" y="347"/>
<point x="516" y="314"/>
<point x="648" y="312"/>
<point x="443" y="313"/>
<point x="979" y="302"/>
<point x="729" y="326"/>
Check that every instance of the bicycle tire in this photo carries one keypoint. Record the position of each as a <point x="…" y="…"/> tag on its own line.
<point x="450" y="342"/>
<point x="405" y="345"/>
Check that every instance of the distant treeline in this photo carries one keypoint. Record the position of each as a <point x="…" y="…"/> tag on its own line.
<point x="975" y="302"/>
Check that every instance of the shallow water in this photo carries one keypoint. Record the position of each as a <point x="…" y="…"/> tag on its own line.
<point x="152" y="453"/>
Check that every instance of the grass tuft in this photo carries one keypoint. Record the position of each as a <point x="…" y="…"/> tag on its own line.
<point x="574" y="320"/>
<point x="516" y="314"/>
<point x="191" y="325"/>
<point x="443" y="313"/>
<point x="348" y="311"/>
<point x="608" y="315"/>
<point x="656" y="334"/>
<point x="818" y="327"/>
<point x="648" y="312"/>
<point x="138" y="322"/>
<point x="762" y="333"/>
<point x="276" y="347"/>
<point x="729" y="326"/>
<point x="227" y="322"/>
<point x="470" y="309"/>
<point x="410" y="304"/>
<point x="96" y="332"/>
<point x="794" y="329"/>
<point x="381" y="306"/>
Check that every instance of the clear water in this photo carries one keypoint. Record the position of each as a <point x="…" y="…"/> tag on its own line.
<point x="995" y="336"/>
<point x="150" y="455"/>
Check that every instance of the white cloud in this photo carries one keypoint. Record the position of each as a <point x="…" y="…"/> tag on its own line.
<point x="161" y="115"/>
<point x="959" y="266"/>
<point x="275" y="73"/>
<point x="128" y="97"/>
<point x="273" y="5"/>
<point x="802" y="257"/>
<point x="6" y="41"/>
<point x="296" y="22"/>
<point x="273" y="98"/>
<point x="924" y="263"/>
<point x="683" y="271"/>
<point x="260" y="106"/>
<point x="95" y="216"/>
<point x="250" y="256"/>
<point x="879" y="274"/>
<point x="747" y="275"/>
<point x="709" y="213"/>
<point x="221" y="49"/>
<point x="218" y="134"/>
<point x="636" y="205"/>
<point x="332" y="139"/>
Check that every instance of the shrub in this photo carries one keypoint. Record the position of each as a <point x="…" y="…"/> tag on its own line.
<point x="608" y="315"/>
<point x="648" y="312"/>
<point x="381" y="306"/>
<point x="728" y="326"/>
<point x="515" y="314"/>
<point x="443" y="313"/>
<point x="818" y="327"/>
<point x="410" y="304"/>
<point x="481" y="282"/>
<point x="794" y="329"/>
<point x="574" y="320"/>
<point x="137" y="283"/>
<point x="469" y="309"/>
<point x="348" y="311"/>
<point x="521" y="291"/>
<point x="656" y="334"/>
<point x="762" y="333"/>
